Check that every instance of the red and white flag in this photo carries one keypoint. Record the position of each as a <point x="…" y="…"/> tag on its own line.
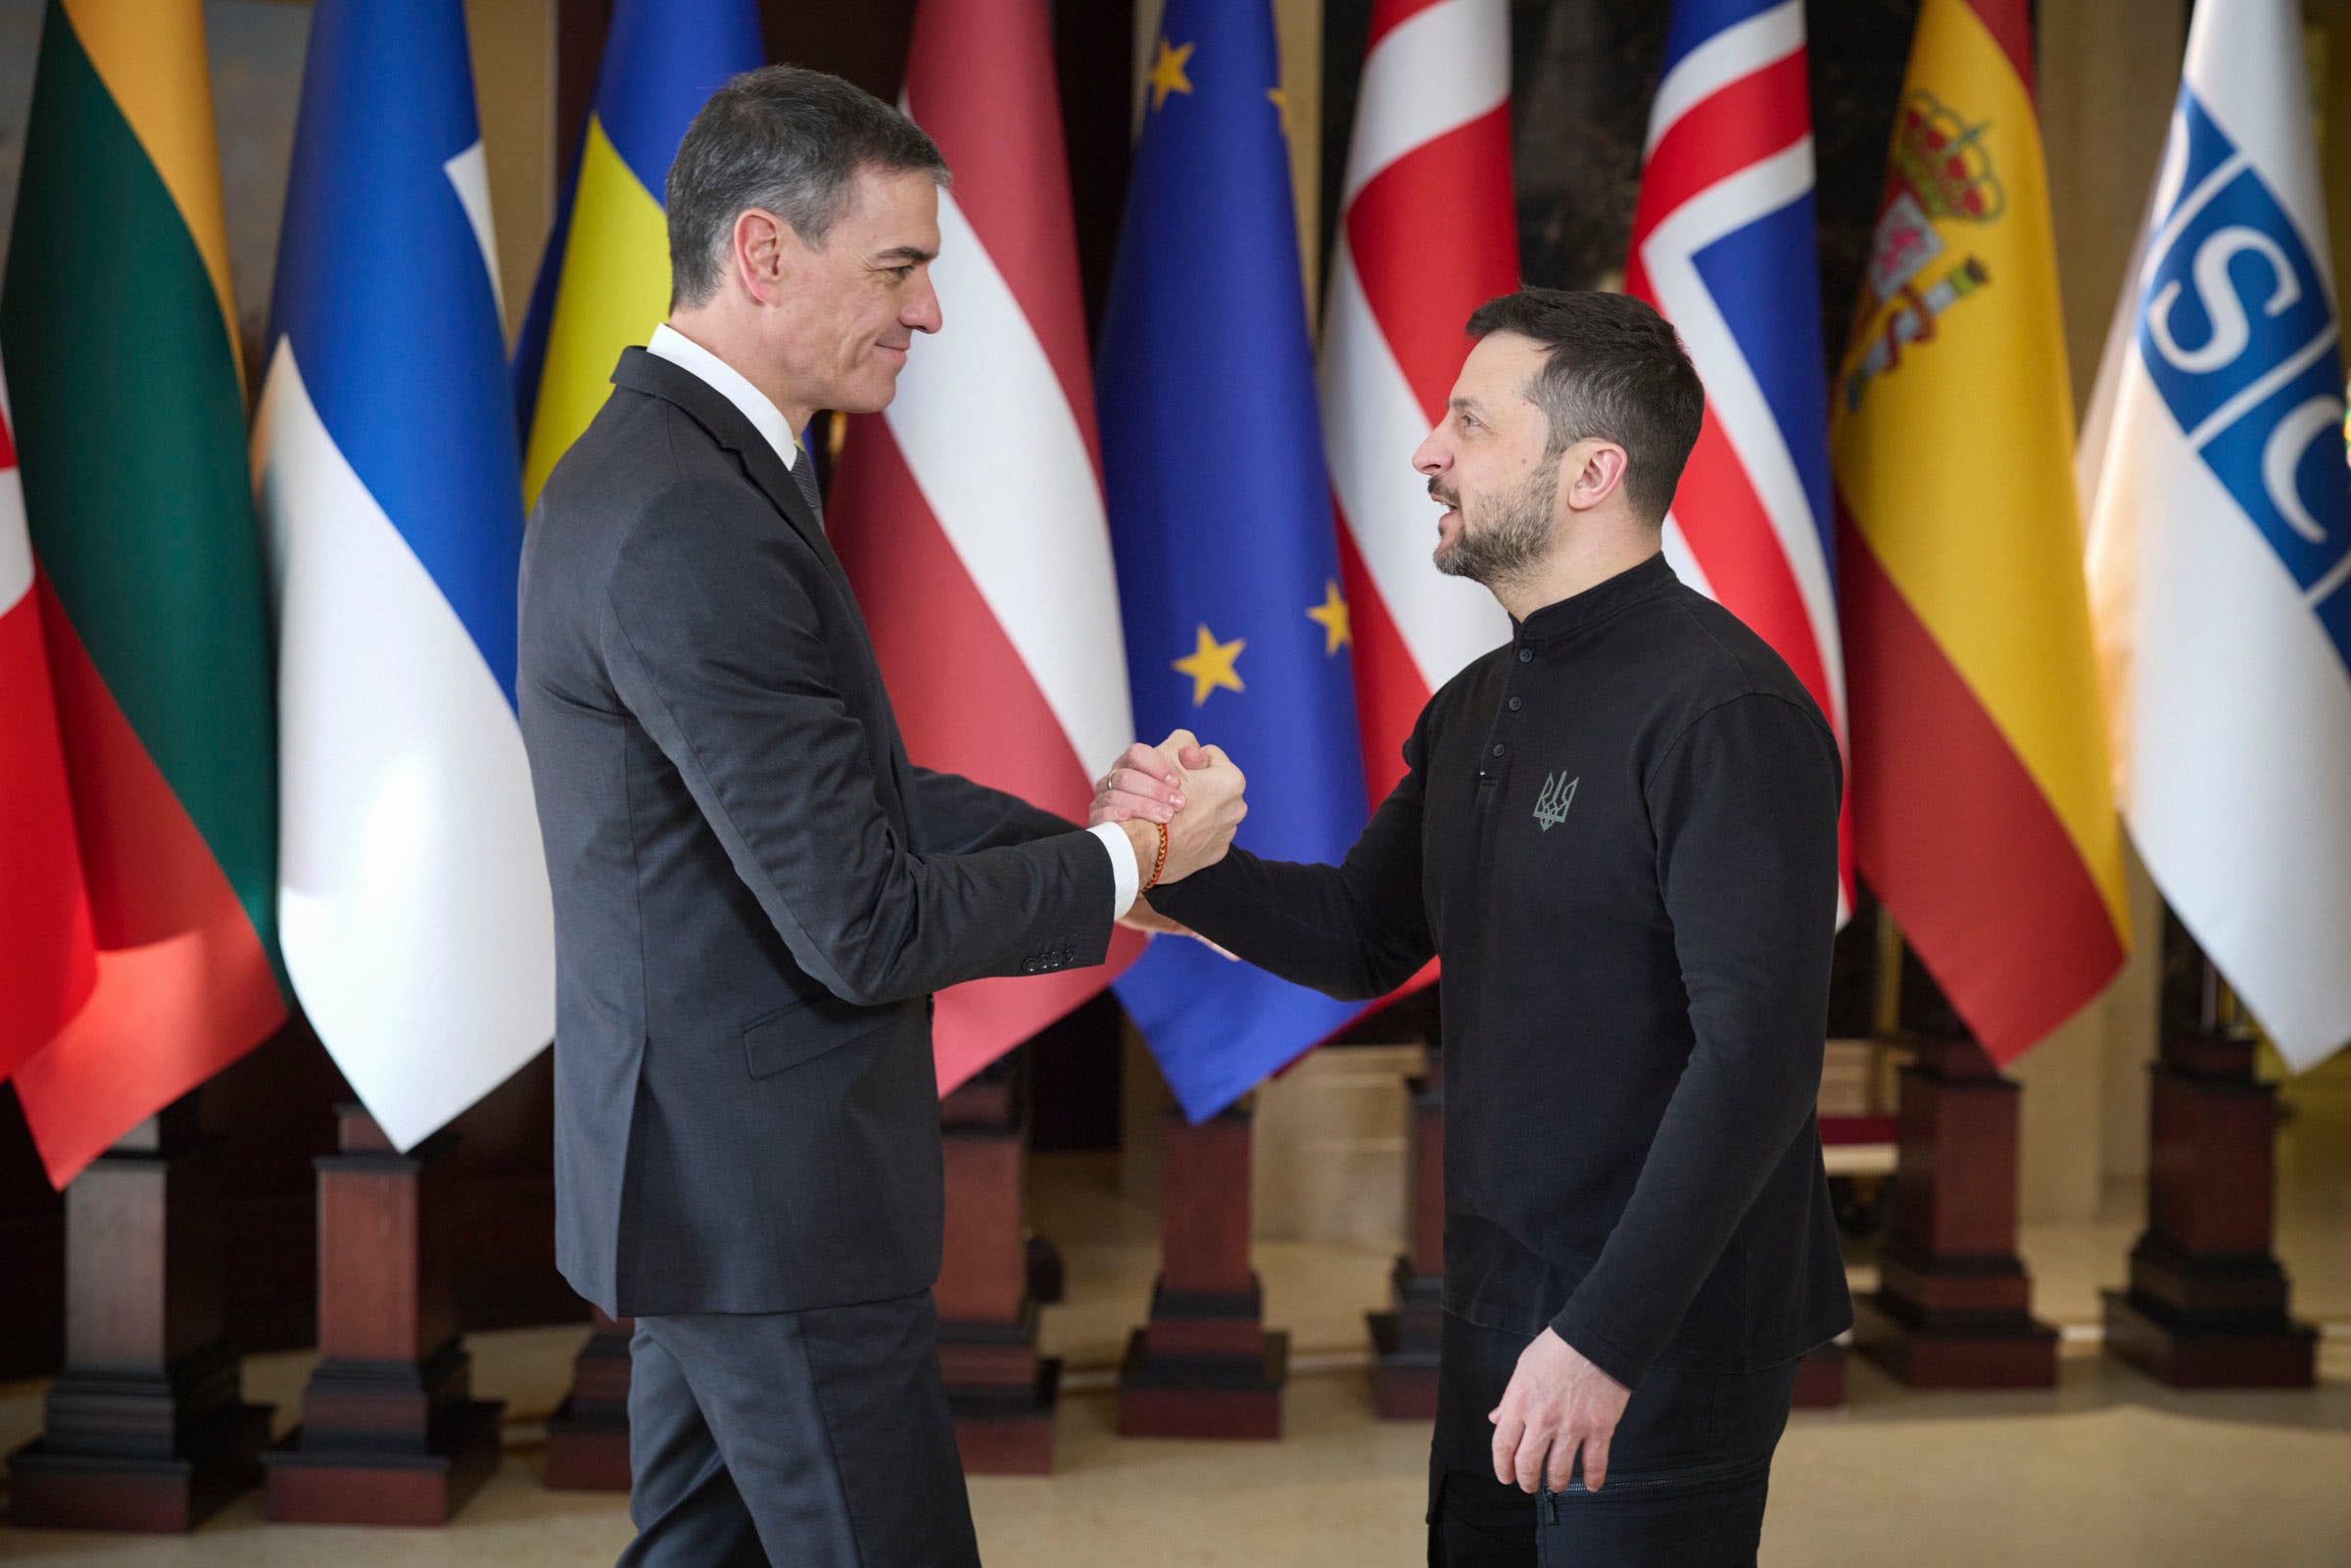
<point x="969" y="515"/>
<point x="1427" y="233"/>
<point x="48" y="958"/>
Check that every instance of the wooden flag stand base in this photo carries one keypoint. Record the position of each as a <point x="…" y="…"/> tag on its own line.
<point x="1205" y="1365"/>
<point x="1954" y="1306"/>
<point x="2207" y="1302"/>
<point x="1820" y="1379"/>
<point x="1404" y="1340"/>
<point x="588" y="1436"/>
<point x="1001" y="1393"/>
<point x="146" y="1428"/>
<point x="390" y="1433"/>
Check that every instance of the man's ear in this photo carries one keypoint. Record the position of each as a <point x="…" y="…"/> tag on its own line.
<point x="1590" y="472"/>
<point x="760" y="238"/>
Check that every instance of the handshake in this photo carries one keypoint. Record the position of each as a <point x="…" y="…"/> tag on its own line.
<point x="1190" y="792"/>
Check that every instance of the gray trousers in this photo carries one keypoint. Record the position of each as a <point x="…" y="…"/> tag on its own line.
<point x="817" y="1439"/>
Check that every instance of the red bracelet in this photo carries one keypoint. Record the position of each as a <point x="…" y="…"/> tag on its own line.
<point x="1161" y="864"/>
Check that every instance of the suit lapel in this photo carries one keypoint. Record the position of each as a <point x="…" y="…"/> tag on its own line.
<point x="654" y="376"/>
<point x="649" y="373"/>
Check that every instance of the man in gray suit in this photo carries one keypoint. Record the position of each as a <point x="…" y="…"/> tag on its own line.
<point x="755" y="892"/>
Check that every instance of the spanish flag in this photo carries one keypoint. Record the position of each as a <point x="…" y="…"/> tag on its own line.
<point x="605" y="283"/>
<point x="130" y="424"/>
<point x="1982" y="811"/>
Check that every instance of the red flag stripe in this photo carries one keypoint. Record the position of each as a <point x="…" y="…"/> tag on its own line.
<point x="1744" y="123"/>
<point x="1016" y="200"/>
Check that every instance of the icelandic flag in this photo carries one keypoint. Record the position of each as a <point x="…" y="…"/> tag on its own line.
<point x="1220" y="519"/>
<point x="413" y="892"/>
<point x="2219" y="538"/>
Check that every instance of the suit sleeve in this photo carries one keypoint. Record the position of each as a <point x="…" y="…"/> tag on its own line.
<point x="1355" y="930"/>
<point x="953" y="816"/>
<point x="714" y="640"/>
<point x="1745" y="809"/>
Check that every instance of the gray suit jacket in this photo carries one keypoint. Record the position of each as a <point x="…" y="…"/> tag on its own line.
<point x="755" y="894"/>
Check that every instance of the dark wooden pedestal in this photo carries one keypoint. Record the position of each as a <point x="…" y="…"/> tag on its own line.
<point x="1404" y="1339"/>
<point x="2207" y="1302"/>
<point x="146" y="1428"/>
<point x="1001" y="1392"/>
<point x="1954" y="1306"/>
<point x="390" y="1432"/>
<point x="1820" y="1379"/>
<point x="1205" y="1365"/>
<point x="588" y="1436"/>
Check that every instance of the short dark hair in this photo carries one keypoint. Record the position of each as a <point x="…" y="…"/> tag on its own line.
<point x="1613" y="368"/>
<point x="789" y="140"/>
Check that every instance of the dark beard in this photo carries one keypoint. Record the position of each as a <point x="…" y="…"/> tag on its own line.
<point x="1509" y="538"/>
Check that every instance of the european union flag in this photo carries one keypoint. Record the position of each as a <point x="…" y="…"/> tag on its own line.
<point x="1220" y="518"/>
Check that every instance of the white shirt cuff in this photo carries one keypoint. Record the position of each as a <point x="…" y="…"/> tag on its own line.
<point x="1126" y="877"/>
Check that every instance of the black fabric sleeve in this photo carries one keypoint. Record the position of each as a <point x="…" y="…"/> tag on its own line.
<point x="714" y="640"/>
<point x="1356" y="931"/>
<point x="1744" y="805"/>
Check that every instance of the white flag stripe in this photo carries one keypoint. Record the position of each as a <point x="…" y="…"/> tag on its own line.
<point x="1732" y="392"/>
<point x="2262" y="99"/>
<point x="469" y="172"/>
<point x="1017" y="498"/>
<point x="1372" y="422"/>
<point x="15" y="545"/>
<point x="402" y="779"/>
<point x="1735" y="52"/>
<point x="1432" y="73"/>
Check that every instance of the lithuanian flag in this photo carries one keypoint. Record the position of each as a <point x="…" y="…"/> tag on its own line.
<point x="1982" y="811"/>
<point x="119" y="331"/>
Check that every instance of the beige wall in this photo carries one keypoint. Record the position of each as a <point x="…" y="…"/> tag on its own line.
<point x="2109" y="72"/>
<point x="514" y="89"/>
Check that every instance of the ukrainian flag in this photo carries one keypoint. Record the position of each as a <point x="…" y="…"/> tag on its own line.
<point x="604" y="284"/>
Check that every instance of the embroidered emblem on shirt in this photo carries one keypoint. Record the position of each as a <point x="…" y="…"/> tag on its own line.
<point x="1558" y="793"/>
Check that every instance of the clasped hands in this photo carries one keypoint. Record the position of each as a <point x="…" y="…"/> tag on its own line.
<point x="1194" y="791"/>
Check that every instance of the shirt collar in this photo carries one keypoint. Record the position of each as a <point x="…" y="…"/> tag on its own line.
<point x="730" y="383"/>
<point x="1562" y="618"/>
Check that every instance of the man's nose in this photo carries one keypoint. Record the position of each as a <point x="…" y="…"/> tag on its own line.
<point x="1432" y="458"/>
<point x="921" y="311"/>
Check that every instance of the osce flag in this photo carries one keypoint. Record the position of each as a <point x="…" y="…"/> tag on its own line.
<point x="2220" y="539"/>
<point x="413" y="895"/>
<point x="1220" y="519"/>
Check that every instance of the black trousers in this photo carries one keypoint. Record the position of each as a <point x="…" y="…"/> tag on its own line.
<point x="1688" y="1470"/>
<point x="817" y="1440"/>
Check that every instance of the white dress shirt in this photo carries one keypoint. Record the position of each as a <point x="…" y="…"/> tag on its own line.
<point x="668" y="343"/>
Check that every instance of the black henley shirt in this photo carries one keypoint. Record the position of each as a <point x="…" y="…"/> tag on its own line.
<point x="1619" y="830"/>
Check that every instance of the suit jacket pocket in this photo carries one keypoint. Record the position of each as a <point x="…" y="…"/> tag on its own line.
<point x="800" y="1033"/>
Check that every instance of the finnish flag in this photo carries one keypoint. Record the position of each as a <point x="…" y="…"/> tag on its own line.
<point x="413" y="902"/>
<point x="2220" y="536"/>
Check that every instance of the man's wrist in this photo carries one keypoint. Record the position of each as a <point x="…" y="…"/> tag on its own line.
<point x="1128" y="864"/>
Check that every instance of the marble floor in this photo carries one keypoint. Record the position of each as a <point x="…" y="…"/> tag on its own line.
<point x="2109" y="1468"/>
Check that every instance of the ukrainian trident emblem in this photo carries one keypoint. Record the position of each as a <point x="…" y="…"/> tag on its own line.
<point x="1558" y="793"/>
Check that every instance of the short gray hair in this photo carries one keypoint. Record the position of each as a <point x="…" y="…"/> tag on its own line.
<point x="788" y="140"/>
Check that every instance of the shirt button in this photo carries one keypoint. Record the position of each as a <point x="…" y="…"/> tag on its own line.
<point x="1526" y="655"/>
<point x="1500" y="748"/>
<point x="1515" y="704"/>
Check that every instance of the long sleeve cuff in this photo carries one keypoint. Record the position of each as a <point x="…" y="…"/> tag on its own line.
<point x="1126" y="876"/>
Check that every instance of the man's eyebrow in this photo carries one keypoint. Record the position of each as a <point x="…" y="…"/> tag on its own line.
<point x="904" y="254"/>
<point x="1465" y="405"/>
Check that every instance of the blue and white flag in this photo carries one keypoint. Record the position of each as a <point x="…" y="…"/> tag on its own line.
<point x="2220" y="536"/>
<point x="412" y="891"/>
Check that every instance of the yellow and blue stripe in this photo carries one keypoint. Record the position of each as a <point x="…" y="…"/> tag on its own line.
<point x="604" y="284"/>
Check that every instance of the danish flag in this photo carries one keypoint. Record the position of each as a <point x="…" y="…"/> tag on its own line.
<point x="1427" y="233"/>
<point x="1723" y="246"/>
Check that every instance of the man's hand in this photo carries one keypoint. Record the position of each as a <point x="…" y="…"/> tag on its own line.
<point x="1557" y="1402"/>
<point x="1143" y="788"/>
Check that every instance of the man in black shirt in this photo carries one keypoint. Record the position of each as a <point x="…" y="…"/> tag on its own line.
<point x="1619" y="830"/>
